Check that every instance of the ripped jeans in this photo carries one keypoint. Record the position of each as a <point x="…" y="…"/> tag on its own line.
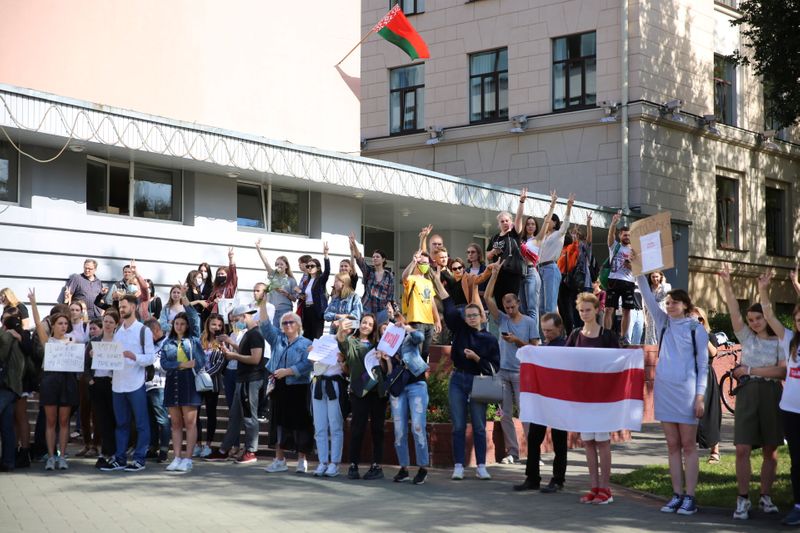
<point x="413" y="399"/>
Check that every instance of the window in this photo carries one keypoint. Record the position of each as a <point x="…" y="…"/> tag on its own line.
<point x="488" y="86"/>
<point x="574" y="72"/>
<point x="409" y="7"/>
<point x="727" y="212"/>
<point x="776" y="220"/>
<point x="121" y="188"/>
<point x="724" y="90"/>
<point x="9" y="176"/>
<point x="287" y="210"/>
<point x="407" y="99"/>
<point x="770" y="121"/>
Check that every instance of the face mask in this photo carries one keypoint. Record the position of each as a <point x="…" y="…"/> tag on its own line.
<point x="241" y="324"/>
<point x="423" y="268"/>
<point x="198" y="281"/>
<point x="132" y="288"/>
<point x="221" y="279"/>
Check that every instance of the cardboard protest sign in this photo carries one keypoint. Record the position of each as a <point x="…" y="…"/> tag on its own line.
<point x="107" y="356"/>
<point x="651" y="237"/>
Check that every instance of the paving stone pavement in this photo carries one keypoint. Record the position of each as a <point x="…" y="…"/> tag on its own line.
<point x="227" y="497"/>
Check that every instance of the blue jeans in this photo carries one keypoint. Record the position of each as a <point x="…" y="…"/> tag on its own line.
<point x="160" y="429"/>
<point x="427" y="330"/>
<point x="529" y="296"/>
<point x="328" y="417"/>
<point x="127" y="404"/>
<point x="8" y="400"/>
<point x="551" y="280"/>
<point x="459" y="395"/>
<point x="635" y="327"/>
<point x="413" y="399"/>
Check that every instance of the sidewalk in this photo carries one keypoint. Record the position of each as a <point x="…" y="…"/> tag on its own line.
<point x="227" y="497"/>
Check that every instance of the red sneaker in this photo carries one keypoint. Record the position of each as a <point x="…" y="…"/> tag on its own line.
<point x="603" y="497"/>
<point x="247" y="458"/>
<point x="590" y="496"/>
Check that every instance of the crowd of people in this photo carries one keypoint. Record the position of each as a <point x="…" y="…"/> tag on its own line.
<point x="538" y="283"/>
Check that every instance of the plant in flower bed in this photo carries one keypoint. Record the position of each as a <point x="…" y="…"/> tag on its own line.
<point x="438" y="400"/>
<point x="717" y="484"/>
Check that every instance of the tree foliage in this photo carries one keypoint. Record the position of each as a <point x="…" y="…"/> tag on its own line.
<point x="771" y="30"/>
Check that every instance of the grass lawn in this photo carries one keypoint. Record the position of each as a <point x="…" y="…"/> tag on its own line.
<point x="717" y="484"/>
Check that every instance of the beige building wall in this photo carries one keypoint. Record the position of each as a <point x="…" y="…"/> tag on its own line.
<point x="263" y="68"/>
<point x="672" y="166"/>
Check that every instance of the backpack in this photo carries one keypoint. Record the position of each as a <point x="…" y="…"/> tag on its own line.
<point x="569" y="258"/>
<point x="149" y="370"/>
<point x="575" y="278"/>
<point x="605" y="268"/>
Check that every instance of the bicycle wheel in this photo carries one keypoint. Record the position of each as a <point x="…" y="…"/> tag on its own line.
<point x="725" y="386"/>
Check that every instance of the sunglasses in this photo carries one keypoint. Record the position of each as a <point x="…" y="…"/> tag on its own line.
<point x="288" y="323"/>
<point x="472" y="315"/>
<point x="311" y="267"/>
<point x="456" y="269"/>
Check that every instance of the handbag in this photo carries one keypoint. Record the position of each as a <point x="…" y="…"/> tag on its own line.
<point x="487" y="389"/>
<point x="202" y="379"/>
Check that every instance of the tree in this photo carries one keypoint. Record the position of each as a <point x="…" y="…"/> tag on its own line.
<point x="771" y="29"/>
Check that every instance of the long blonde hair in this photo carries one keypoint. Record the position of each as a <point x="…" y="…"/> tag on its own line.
<point x="347" y="288"/>
<point x="9" y="296"/>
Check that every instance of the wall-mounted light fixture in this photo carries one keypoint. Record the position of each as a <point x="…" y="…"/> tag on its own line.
<point x="434" y="134"/>
<point x="610" y="109"/>
<point x="519" y="123"/>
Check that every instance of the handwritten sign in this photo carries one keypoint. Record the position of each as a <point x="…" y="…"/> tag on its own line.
<point x="59" y="357"/>
<point x="324" y="350"/>
<point x="225" y="306"/>
<point x="107" y="356"/>
<point x="651" y="238"/>
<point x="392" y="339"/>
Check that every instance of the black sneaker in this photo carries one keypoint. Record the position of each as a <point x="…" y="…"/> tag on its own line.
<point x="100" y="463"/>
<point x="552" y="487"/>
<point x="162" y="456"/>
<point x="374" y="472"/>
<point x="422" y="475"/>
<point x="401" y="476"/>
<point x="112" y="466"/>
<point x="352" y="472"/>
<point x="151" y="454"/>
<point x="23" y="459"/>
<point x="135" y="466"/>
<point x="528" y="484"/>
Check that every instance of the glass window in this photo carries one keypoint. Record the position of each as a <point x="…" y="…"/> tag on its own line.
<point x="407" y="99"/>
<point x="409" y="7"/>
<point x="118" y="189"/>
<point x="249" y="209"/>
<point x="725" y="90"/>
<point x="727" y="212"/>
<point x="9" y="177"/>
<point x="776" y="223"/>
<point x="96" y="186"/>
<point x="575" y="71"/>
<point x="289" y="211"/>
<point x="156" y="193"/>
<point x="488" y="86"/>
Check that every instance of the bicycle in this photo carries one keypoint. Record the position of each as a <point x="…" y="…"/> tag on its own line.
<point x="728" y="383"/>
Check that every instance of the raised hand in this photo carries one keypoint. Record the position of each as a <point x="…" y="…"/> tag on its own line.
<point x="571" y="199"/>
<point x="589" y="218"/>
<point x="553" y="197"/>
<point x="133" y="265"/>
<point x="523" y="195"/>
<point x="725" y="273"/>
<point x="258" y="243"/>
<point x="423" y="234"/>
<point x="230" y="253"/>
<point x="617" y="216"/>
<point x="325" y="248"/>
<point x="793" y="275"/>
<point x="763" y="281"/>
<point x="32" y="296"/>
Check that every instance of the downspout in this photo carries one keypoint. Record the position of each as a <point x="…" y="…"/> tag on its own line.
<point x="625" y="178"/>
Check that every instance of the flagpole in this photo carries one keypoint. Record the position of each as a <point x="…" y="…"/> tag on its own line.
<point x="370" y="32"/>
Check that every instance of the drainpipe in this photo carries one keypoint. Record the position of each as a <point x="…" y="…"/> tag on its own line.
<point x="625" y="179"/>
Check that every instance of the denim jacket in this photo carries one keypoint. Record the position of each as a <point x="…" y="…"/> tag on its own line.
<point x="285" y="355"/>
<point x="192" y="346"/>
<point x="347" y="306"/>
<point x="409" y="353"/>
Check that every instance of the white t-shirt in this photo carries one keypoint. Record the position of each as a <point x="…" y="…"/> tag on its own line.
<point x="309" y="295"/>
<point x="790" y="400"/>
<point x="618" y="270"/>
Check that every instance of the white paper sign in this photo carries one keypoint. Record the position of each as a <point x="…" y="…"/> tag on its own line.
<point x="107" y="356"/>
<point x="59" y="357"/>
<point x="225" y="306"/>
<point x="651" y="252"/>
<point x="370" y="362"/>
<point x="392" y="339"/>
<point x="324" y="350"/>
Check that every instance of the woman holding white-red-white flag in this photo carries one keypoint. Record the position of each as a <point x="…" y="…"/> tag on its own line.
<point x="680" y="386"/>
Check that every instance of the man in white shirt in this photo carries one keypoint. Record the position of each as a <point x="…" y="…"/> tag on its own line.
<point x="127" y="385"/>
<point x="621" y="284"/>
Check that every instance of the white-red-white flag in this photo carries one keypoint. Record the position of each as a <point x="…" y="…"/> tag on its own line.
<point x="582" y="389"/>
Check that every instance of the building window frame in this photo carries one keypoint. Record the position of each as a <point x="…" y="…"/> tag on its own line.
<point x="177" y="191"/>
<point x="567" y="63"/>
<point x="494" y="76"/>
<point x="403" y="93"/>
<point x="728" y="206"/>
<point x="11" y="156"/>
<point x="725" y="90"/>
<point x="409" y="7"/>
<point x="266" y="195"/>
<point x="776" y="220"/>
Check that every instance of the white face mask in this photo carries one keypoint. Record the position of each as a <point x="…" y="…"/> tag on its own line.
<point x="198" y="281"/>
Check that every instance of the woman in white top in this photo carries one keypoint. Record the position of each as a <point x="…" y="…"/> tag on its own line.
<point x="550" y="251"/>
<point x="757" y="421"/>
<point x="659" y="287"/>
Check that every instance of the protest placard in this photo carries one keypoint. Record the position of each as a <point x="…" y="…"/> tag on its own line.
<point x="324" y="350"/>
<point x="60" y="357"/>
<point x="392" y="339"/>
<point x="651" y="238"/>
<point x="107" y="356"/>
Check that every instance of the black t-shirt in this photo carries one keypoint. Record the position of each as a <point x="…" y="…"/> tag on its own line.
<point x="454" y="288"/>
<point x="246" y="373"/>
<point x="510" y="251"/>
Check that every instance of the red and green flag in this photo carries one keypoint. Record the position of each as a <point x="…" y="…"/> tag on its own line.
<point x="395" y="28"/>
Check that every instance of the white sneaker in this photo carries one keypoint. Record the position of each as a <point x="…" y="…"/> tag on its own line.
<point x="206" y="451"/>
<point x="185" y="465"/>
<point x="302" y="466"/>
<point x="332" y="470"/>
<point x="277" y="466"/>
<point x="458" y="472"/>
<point x="766" y="505"/>
<point x="197" y="450"/>
<point x="508" y="460"/>
<point x="174" y="465"/>
<point x="61" y="462"/>
<point x="742" y="511"/>
<point x="482" y="473"/>
<point x="51" y="463"/>
<point x="320" y="471"/>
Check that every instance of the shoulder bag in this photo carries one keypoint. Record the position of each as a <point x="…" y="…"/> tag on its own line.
<point x="202" y="379"/>
<point x="487" y="389"/>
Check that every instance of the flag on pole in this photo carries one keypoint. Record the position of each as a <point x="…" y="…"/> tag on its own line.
<point x="582" y="389"/>
<point x="395" y="28"/>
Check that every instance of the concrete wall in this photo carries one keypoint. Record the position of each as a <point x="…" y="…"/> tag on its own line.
<point x="264" y="68"/>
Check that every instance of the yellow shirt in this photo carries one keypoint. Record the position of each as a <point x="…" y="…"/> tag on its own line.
<point x="418" y="302"/>
<point x="182" y="358"/>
